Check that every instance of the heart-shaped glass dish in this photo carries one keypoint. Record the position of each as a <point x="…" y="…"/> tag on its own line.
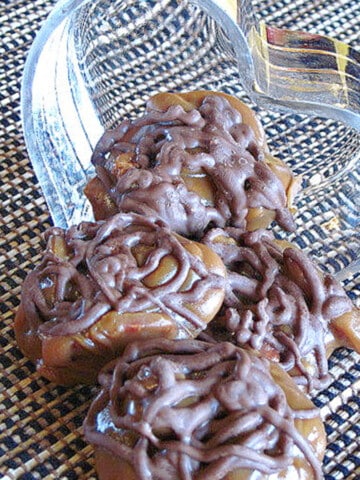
<point x="96" y="62"/>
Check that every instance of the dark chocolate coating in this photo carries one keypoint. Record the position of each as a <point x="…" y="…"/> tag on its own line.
<point x="191" y="409"/>
<point x="211" y="139"/>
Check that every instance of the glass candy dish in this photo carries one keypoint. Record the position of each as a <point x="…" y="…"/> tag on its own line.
<point x="96" y="62"/>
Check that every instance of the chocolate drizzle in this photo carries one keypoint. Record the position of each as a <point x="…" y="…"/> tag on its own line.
<point x="277" y="301"/>
<point x="191" y="409"/>
<point x="95" y="270"/>
<point x="210" y="140"/>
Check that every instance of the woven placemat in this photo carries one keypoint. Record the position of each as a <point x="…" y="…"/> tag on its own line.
<point x="40" y="423"/>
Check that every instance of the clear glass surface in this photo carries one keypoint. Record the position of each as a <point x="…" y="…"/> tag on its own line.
<point x="97" y="62"/>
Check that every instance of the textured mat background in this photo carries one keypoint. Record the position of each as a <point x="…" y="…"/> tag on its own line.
<point x="40" y="424"/>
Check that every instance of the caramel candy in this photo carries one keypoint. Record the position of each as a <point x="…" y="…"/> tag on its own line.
<point x="279" y="303"/>
<point x="193" y="159"/>
<point x="188" y="409"/>
<point x="102" y="285"/>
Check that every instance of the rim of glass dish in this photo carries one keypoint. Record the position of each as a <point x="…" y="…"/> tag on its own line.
<point x="61" y="10"/>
